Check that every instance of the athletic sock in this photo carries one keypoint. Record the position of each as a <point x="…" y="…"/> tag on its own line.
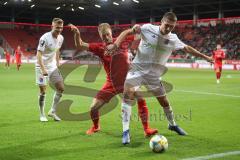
<point x="169" y="114"/>
<point x="95" y="117"/>
<point x="143" y="113"/>
<point x="41" y="100"/>
<point x="126" y="115"/>
<point x="56" y="98"/>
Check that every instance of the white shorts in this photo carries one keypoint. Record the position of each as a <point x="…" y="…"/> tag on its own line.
<point x="53" y="77"/>
<point x="149" y="79"/>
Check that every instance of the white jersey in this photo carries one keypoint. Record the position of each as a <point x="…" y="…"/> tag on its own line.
<point x="49" y="45"/>
<point x="155" y="48"/>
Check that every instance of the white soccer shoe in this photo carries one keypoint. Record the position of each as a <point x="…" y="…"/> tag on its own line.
<point x="43" y="119"/>
<point x="54" y="116"/>
<point x="126" y="137"/>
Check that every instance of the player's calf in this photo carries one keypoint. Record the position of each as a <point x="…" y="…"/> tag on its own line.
<point x="52" y="113"/>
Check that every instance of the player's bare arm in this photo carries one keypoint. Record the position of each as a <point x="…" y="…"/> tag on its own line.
<point x="40" y="62"/>
<point x="113" y="47"/>
<point x="135" y="29"/>
<point x="193" y="51"/>
<point x="79" y="43"/>
<point x="58" y="58"/>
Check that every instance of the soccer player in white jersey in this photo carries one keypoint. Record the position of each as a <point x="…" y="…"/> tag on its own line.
<point x="156" y="46"/>
<point x="47" y="64"/>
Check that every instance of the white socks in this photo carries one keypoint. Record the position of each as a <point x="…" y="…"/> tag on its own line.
<point x="126" y="115"/>
<point x="169" y="114"/>
<point x="41" y="100"/>
<point x="56" y="98"/>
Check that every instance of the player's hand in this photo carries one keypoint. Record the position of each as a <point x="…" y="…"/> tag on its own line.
<point x="74" y="29"/>
<point x="44" y="72"/>
<point x="210" y="60"/>
<point x="136" y="28"/>
<point x="110" y="49"/>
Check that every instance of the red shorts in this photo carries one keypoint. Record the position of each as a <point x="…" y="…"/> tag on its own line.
<point x="7" y="59"/>
<point x="107" y="92"/>
<point x="18" y="61"/>
<point x="218" y="67"/>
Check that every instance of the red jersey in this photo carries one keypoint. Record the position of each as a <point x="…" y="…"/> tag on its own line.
<point x="218" y="56"/>
<point x="7" y="56"/>
<point x="135" y="44"/>
<point x="18" y="54"/>
<point x="115" y="66"/>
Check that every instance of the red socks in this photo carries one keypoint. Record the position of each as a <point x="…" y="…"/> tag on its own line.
<point x="218" y="75"/>
<point x="95" y="117"/>
<point x="143" y="112"/>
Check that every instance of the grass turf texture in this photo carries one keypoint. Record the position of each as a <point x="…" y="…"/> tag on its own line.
<point x="212" y="121"/>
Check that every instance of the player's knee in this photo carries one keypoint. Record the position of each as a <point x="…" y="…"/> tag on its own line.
<point x="129" y="94"/>
<point x="60" y="89"/>
<point x="42" y="93"/>
<point x="163" y="101"/>
<point x="94" y="108"/>
<point x="42" y="96"/>
<point x="96" y="104"/>
<point x="165" y="105"/>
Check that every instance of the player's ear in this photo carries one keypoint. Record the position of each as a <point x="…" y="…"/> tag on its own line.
<point x="161" y="20"/>
<point x="53" y="24"/>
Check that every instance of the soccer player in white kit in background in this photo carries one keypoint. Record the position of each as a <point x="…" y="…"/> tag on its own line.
<point x="156" y="46"/>
<point x="48" y="57"/>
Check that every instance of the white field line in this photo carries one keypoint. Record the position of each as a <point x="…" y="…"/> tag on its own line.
<point x="213" y="156"/>
<point x="208" y="93"/>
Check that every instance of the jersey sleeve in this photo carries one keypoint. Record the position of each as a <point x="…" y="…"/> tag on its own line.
<point x="135" y="44"/>
<point x="213" y="54"/>
<point x="61" y="42"/>
<point x="96" y="49"/>
<point x="42" y="44"/>
<point x="223" y="54"/>
<point x="178" y="44"/>
<point x="145" y="27"/>
<point x="127" y="41"/>
<point x="130" y="38"/>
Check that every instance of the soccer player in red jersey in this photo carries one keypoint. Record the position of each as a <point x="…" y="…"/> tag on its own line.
<point x="116" y="68"/>
<point x="18" y="55"/>
<point x="133" y="47"/>
<point x="218" y="56"/>
<point x="8" y="57"/>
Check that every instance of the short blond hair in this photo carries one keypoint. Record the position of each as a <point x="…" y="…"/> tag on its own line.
<point x="103" y="26"/>
<point x="57" y="21"/>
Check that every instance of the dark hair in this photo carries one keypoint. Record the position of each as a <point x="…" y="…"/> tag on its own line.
<point x="170" y="16"/>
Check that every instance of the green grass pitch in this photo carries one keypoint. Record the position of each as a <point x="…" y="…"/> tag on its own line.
<point x="210" y="113"/>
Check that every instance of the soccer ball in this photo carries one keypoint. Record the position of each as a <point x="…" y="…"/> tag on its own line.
<point x="158" y="143"/>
